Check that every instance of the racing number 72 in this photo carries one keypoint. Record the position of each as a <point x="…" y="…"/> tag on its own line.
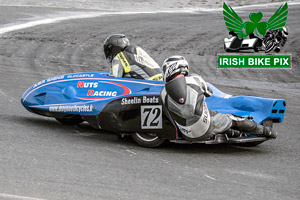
<point x="151" y="117"/>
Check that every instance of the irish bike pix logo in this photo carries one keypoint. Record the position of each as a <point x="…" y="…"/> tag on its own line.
<point x="259" y="41"/>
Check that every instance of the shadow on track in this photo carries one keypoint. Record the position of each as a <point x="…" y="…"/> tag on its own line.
<point x="86" y="132"/>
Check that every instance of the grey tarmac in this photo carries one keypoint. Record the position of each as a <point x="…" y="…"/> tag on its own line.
<point x="43" y="159"/>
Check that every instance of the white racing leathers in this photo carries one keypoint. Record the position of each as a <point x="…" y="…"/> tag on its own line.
<point x="134" y="62"/>
<point x="184" y="98"/>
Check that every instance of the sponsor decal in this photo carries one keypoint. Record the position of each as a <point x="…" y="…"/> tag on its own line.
<point x="205" y="114"/>
<point x="139" y="100"/>
<point x="83" y="84"/>
<point x="39" y="83"/>
<point x="105" y="89"/>
<point x="95" y="93"/>
<point x="55" y="78"/>
<point x="184" y="130"/>
<point x="74" y="108"/>
<point x="81" y="76"/>
<point x="134" y="100"/>
<point x="101" y="93"/>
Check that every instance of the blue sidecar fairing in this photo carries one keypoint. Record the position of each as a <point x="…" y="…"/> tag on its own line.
<point x="124" y="105"/>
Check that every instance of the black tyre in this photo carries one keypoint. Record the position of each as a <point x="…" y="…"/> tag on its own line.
<point x="70" y="119"/>
<point x="248" y="144"/>
<point x="147" y="140"/>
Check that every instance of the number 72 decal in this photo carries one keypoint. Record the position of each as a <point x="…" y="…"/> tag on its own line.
<point x="151" y="117"/>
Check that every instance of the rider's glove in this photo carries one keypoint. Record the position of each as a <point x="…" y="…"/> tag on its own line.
<point x="208" y="92"/>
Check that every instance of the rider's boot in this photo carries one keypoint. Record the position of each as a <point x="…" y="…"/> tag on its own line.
<point x="249" y="126"/>
<point x="269" y="132"/>
<point x="232" y="133"/>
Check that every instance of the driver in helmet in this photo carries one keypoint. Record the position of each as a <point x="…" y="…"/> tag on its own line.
<point x="129" y="61"/>
<point x="184" y="97"/>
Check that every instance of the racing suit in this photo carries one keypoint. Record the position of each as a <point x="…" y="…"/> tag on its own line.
<point x="184" y="98"/>
<point x="134" y="62"/>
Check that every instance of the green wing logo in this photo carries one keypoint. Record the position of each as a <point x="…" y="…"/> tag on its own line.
<point x="236" y="24"/>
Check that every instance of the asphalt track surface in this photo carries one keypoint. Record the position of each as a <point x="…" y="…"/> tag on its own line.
<point x="42" y="159"/>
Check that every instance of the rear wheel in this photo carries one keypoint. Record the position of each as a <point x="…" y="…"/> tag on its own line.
<point x="147" y="139"/>
<point x="70" y="119"/>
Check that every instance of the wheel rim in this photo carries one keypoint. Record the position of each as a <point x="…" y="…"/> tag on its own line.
<point x="146" y="137"/>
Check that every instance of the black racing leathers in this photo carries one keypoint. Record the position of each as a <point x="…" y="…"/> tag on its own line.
<point x="134" y="62"/>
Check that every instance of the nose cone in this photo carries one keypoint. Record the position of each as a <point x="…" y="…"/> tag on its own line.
<point x="25" y="101"/>
<point x="29" y="99"/>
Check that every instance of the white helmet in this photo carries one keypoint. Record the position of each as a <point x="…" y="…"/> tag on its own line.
<point x="173" y="66"/>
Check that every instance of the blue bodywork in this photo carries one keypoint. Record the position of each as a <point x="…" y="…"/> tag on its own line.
<point x="259" y="108"/>
<point x="85" y="89"/>
<point x="89" y="93"/>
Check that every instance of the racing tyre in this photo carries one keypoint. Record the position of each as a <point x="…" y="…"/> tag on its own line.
<point x="248" y="144"/>
<point x="147" y="140"/>
<point x="70" y="119"/>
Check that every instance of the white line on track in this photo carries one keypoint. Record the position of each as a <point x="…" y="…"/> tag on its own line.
<point x="212" y="178"/>
<point x="81" y="15"/>
<point x="74" y="16"/>
<point x="16" y="197"/>
<point x="131" y="152"/>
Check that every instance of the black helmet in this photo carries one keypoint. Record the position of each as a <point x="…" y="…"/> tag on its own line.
<point x="173" y="66"/>
<point x="113" y="45"/>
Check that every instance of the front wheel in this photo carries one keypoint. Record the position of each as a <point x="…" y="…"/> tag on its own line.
<point x="147" y="139"/>
<point x="70" y="119"/>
